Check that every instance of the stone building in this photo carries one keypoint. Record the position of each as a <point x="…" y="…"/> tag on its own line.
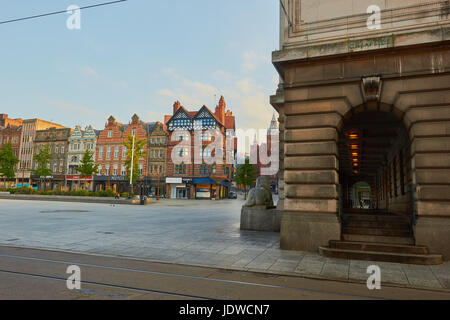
<point x="58" y="141"/>
<point x="79" y="142"/>
<point x="111" y="154"/>
<point x="157" y="157"/>
<point x="198" y="180"/>
<point x="362" y="101"/>
<point x="29" y="128"/>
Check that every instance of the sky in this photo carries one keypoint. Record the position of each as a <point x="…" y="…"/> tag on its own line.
<point x="138" y="56"/>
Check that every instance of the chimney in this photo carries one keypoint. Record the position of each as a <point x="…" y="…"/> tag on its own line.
<point x="220" y="110"/>
<point x="176" y="106"/>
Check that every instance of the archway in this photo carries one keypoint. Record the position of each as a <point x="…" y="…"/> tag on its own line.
<point x="374" y="149"/>
<point x="360" y="195"/>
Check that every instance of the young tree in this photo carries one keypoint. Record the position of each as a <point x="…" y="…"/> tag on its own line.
<point x="245" y="175"/>
<point x="7" y="162"/>
<point x="42" y="159"/>
<point x="87" y="167"/>
<point x="138" y="153"/>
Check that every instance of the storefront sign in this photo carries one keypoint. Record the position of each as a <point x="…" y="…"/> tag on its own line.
<point x="77" y="177"/>
<point x="174" y="180"/>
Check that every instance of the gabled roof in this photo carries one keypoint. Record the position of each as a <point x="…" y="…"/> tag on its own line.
<point x="198" y="113"/>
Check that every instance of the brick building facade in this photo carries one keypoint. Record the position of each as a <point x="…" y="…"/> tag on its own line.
<point x="203" y="180"/>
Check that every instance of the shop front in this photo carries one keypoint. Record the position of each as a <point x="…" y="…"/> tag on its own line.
<point x="116" y="183"/>
<point x="179" y="188"/>
<point x="55" y="182"/>
<point x="76" y="182"/>
<point x="205" y="188"/>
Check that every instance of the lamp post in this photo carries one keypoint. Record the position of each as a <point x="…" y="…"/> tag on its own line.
<point x="131" y="170"/>
<point x="157" y="188"/>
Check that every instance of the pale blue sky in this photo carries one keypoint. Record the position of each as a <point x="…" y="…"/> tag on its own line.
<point x="138" y="57"/>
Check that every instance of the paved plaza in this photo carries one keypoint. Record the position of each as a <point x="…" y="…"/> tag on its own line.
<point x="204" y="233"/>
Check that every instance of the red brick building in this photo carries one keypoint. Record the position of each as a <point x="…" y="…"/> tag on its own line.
<point x="110" y="154"/>
<point x="10" y="131"/>
<point x="199" y="175"/>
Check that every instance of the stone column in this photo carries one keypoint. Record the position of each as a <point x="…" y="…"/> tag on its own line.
<point x="311" y="169"/>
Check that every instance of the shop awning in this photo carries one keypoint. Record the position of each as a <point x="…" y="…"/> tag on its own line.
<point x="206" y="180"/>
<point x="225" y="183"/>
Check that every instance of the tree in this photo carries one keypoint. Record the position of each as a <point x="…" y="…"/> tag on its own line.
<point x="138" y="153"/>
<point x="245" y="175"/>
<point x="87" y="167"/>
<point x="7" y="162"/>
<point x="42" y="159"/>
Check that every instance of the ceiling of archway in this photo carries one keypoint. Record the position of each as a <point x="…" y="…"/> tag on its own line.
<point x="365" y="141"/>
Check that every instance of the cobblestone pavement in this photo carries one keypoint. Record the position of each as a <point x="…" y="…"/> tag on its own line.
<point x="187" y="232"/>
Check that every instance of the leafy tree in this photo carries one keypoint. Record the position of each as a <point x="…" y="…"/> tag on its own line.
<point x="7" y="162"/>
<point x="42" y="159"/>
<point x="87" y="167"/>
<point x="245" y="175"/>
<point x="138" y="153"/>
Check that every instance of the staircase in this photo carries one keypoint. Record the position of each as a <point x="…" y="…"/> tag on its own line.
<point x="378" y="236"/>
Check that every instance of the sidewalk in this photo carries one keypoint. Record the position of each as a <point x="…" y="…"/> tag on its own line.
<point x="187" y="232"/>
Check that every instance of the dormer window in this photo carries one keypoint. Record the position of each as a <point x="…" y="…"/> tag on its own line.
<point x="109" y="133"/>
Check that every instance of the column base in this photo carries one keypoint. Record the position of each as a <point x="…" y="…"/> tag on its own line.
<point x="433" y="232"/>
<point x="307" y="231"/>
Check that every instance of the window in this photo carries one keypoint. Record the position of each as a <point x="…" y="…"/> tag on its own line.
<point x="163" y="140"/>
<point x="116" y="152"/>
<point x="205" y="153"/>
<point x="109" y="133"/>
<point x="160" y="169"/>
<point x="141" y="169"/>
<point x="205" y="136"/>
<point x="158" y="140"/>
<point x="100" y="153"/>
<point x="115" y="171"/>
<point x="55" y="167"/>
<point x="203" y="169"/>
<point x="100" y="169"/>
<point x="161" y="154"/>
<point x="107" y="170"/>
<point x="180" y="152"/>
<point x="56" y="149"/>
<point x="124" y="170"/>
<point x="124" y="152"/>
<point x="133" y="132"/>
<point x="62" y="149"/>
<point x="108" y="153"/>
<point x="180" y="168"/>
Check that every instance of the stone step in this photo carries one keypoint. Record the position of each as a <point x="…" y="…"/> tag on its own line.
<point x="377" y="224"/>
<point x="378" y="247"/>
<point x="375" y="217"/>
<point x="424" y="259"/>
<point x="404" y="232"/>
<point x="378" y="239"/>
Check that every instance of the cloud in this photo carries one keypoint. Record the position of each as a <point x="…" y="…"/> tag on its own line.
<point x="248" y="100"/>
<point x="251" y="60"/>
<point x="89" y="72"/>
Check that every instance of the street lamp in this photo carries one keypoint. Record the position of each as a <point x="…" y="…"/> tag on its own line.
<point x="131" y="170"/>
